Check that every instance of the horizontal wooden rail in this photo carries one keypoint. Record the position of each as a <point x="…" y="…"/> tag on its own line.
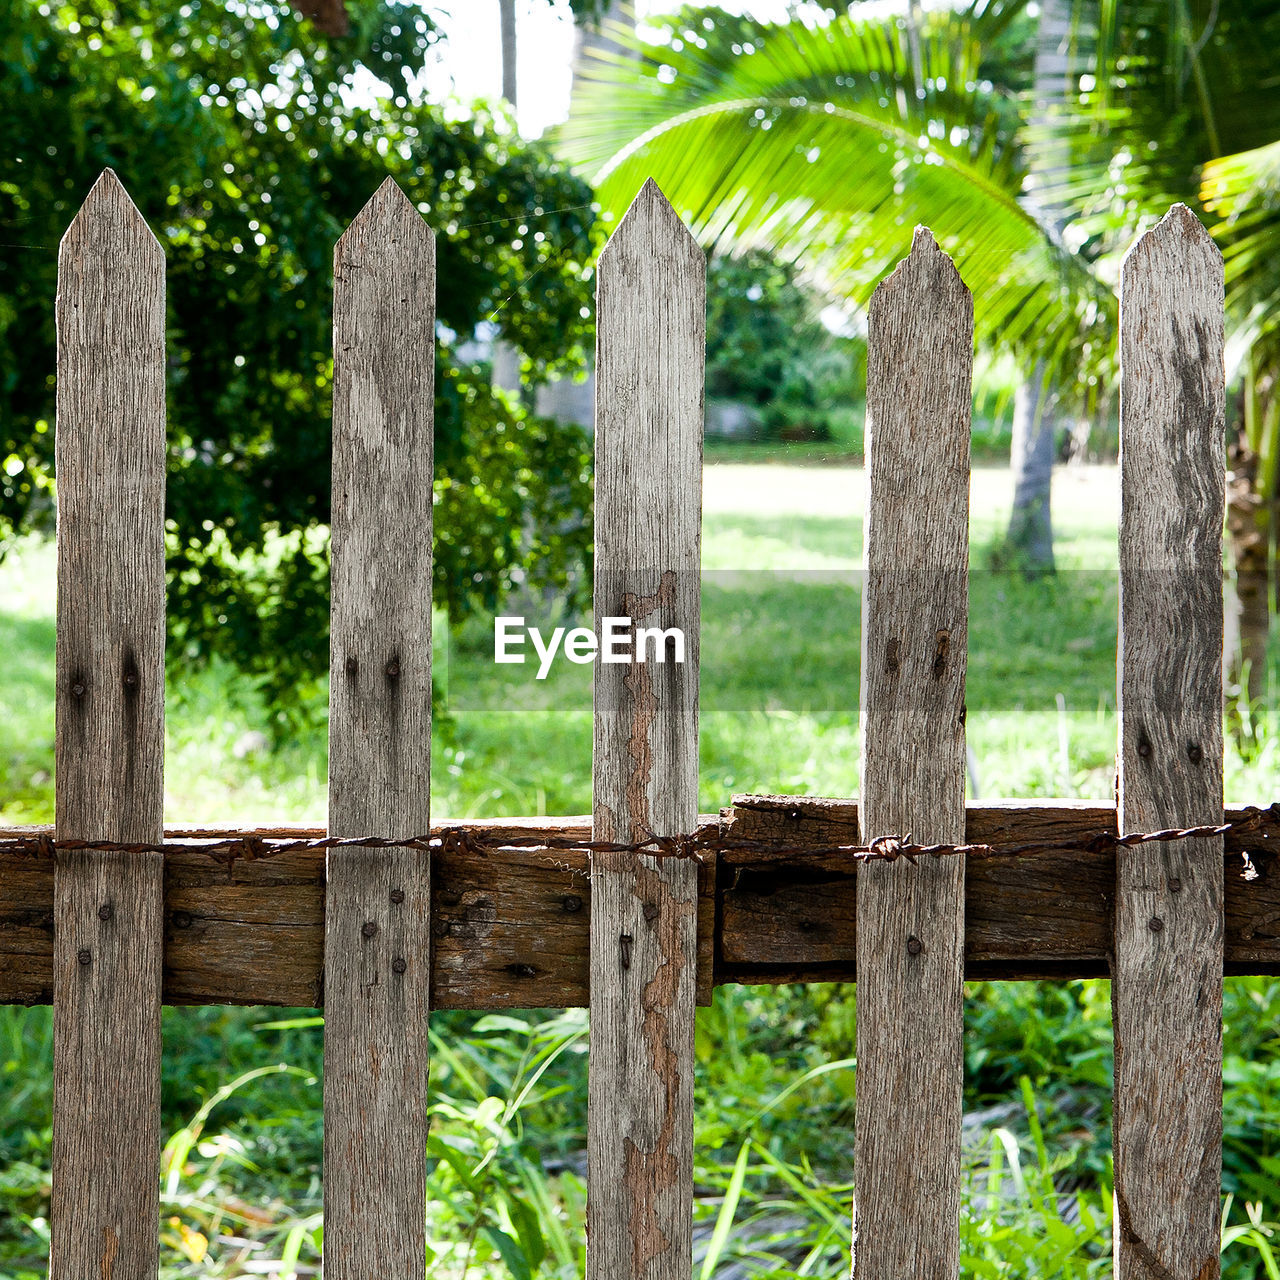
<point x="511" y="927"/>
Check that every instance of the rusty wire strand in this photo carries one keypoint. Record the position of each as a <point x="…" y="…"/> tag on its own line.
<point x="254" y="847"/>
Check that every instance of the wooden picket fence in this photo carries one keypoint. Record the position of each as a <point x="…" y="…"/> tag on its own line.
<point x="380" y="935"/>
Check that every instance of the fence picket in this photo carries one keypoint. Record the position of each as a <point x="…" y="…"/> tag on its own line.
<point x="1167" y="970"/>
<point x="910" y="926"/>
<point x="651" y="318"/>
<point x="377" y="905"/>
<point x="108" y="906"/>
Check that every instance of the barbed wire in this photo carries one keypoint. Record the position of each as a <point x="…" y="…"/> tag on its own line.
<point x="253" y="846"/>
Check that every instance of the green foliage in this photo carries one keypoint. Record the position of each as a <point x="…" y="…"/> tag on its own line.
<point x="816" y="140"/>
<point x="506" y="1194"/>
<point x="1172" y="109"/>
<point x="249" y="142"/>
<point x="1243" y="191"/>
<point x="503" y="1196"/>
<point x="766" y="345"/>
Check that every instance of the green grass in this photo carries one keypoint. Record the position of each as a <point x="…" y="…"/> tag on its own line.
<point x="782" y="548"/>
<point x="990" y="440"/>
<point x="780" y="652"/>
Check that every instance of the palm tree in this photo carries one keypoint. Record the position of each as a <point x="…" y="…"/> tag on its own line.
<point x="823" y="140"/>
<point x="1029" y="540"/>
<point x="1182" y="105"/>
<point x="507" y="20"/>
<point x="609" y="27"/>
<point x="1243" y="190"/>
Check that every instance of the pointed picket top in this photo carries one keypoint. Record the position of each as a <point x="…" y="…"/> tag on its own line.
<point x="650" y="223"/>
<point x="1180" y="221"/>
<point x="919" y="333"/>
<point x="108" y="217"/>
<point x="1172" y="394"/>
<point x="390" y="217"/>
<point x="1175" y="268"/>
<point x="926" y="265"/>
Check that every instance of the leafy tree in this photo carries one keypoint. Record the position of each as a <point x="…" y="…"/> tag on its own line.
<point x="249" y="140"/>
<point x="767" y="346"/>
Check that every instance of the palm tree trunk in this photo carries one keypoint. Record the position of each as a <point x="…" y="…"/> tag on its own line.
<point x="562" y="398"/>
<point x="506" y="359"/>
<point x="1029" y="541"/>
<point x="507" y="11"/>
<point x="1030" y="527"/>
<point x="600" y="35"/>
<point x="1251" y="508"/>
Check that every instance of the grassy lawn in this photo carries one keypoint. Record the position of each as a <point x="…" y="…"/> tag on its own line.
<point x="782" y="550"/>
<point x="782" y="547"/>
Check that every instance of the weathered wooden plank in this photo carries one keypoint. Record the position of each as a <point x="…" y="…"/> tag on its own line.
<point x="1041" y="915"/>
<point x="651" y="318"/>
<point x="911" y="918"/>
<point x="377" y="972"/>
<point x="107" y="907"/>
<point x="1167" y="979"/>
<point x="509" y="928"/>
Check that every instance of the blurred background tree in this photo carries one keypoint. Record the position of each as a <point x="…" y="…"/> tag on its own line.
<point x="249" y="138"/>
<point x="768" y="349"/>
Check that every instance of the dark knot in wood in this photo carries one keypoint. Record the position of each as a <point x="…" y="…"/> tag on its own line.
<point x="891" y="657"/>
<point x="940" y="654"/>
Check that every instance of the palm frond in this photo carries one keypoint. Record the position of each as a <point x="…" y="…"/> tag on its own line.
<point x="1242" y="192"/>
<point x="816" y="141"/>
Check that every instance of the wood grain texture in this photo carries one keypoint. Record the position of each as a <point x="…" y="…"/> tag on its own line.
<point x="1167" y="979"/>
<point x="377" y="961"/>
<point x="911" y="919"/>
<point x="651" y="320"/>
<point x="107" y="907"/>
